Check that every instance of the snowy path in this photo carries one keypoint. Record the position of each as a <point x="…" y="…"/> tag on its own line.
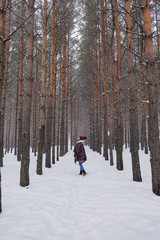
<point x="61" y="205"/>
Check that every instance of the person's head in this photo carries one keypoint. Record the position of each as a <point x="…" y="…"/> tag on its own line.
<point x="83" y="138"/>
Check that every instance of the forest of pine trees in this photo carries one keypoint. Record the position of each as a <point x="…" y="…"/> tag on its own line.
<point x="80" y="67"/>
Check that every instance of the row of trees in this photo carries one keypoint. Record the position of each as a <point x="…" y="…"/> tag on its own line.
<point x="104" y="83"/>
<point x="37" y="98"/>
<point x="120" y="67"/>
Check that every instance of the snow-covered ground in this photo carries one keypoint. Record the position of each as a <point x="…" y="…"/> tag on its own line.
<point x="61" y="205"/>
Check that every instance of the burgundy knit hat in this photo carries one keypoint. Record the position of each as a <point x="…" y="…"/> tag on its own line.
<point x="82" y="138"/>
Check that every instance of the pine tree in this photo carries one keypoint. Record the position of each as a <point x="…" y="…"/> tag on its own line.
<point x="43" y="94"/>
<point x="24" y="174"/>
<point x="133" y="99"/>
<point x="2" y="66"/>
<point x="153" y="105"/>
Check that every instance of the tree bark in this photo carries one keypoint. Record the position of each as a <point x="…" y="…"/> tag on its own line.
<point x="144" y="143"/>
<point x="67" y="95"/>
<point x="20" y="105"/>
<point x="133" y="99"/>
<point x="153" y="106"/>
<point x="62" y="134"/>
<point x="118" y="94"/>
<point x="58" y="115"/>
<point x="104" y="79"/>
<point x="16" y="114"/>
<point x="43" y="94"/>
<point x="24" y="173"/>
<point x="54" y="124"/>
<point x="96" y="99"/>
<point x="2" y="66"/>
<point x="51" y="93"/>
<point x="36" y="102"/>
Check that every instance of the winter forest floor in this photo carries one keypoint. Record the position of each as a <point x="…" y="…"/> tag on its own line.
<point x="61" y="205"/>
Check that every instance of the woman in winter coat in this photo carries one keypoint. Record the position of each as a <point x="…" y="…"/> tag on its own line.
<point x="80" y="154"/>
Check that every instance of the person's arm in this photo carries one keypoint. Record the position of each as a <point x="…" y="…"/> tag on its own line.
<point x="75" y="155"/>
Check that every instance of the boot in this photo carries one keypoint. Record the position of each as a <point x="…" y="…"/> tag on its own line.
<point x="84" y="172"/>
<point x="80" y="173"/>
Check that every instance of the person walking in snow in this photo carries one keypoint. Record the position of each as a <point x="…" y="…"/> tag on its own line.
<point x="80" y="154"/>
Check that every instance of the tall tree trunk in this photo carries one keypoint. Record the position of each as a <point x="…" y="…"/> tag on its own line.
<point x="153" y="106"/>
<point x="109" y="105"/>
<point x="144" y="142"/>
<point x="92" y="103"/>
<point x="67" y="95"/>
<point x="7" y="46"/>
<point x="75" y="104"/>
<point x="36" y="102"/>
<point x="62" y="135"/>
<point x="104" y="77"/>
<point x="133" y="99"/>
<point x="2" y="66"/>
<point x="54" y="104"/>
<point x="58" y="116"/>
<point x="96" y="100"/>
<point x="24" y="173"/>
<point x="43" y="94"/>
<point x="100" y="105"/>
<point x="9" y="123"/>
<point x="54" y="124"/>
<point x="59" y="103"/>
<point x="71" y="109"/>
<point x="16" y="114"/>
<point x="77" y="117"/>
<point x="52" y="81"/>
<point x="118" y="94"/>
<point x="20" y="101"/>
